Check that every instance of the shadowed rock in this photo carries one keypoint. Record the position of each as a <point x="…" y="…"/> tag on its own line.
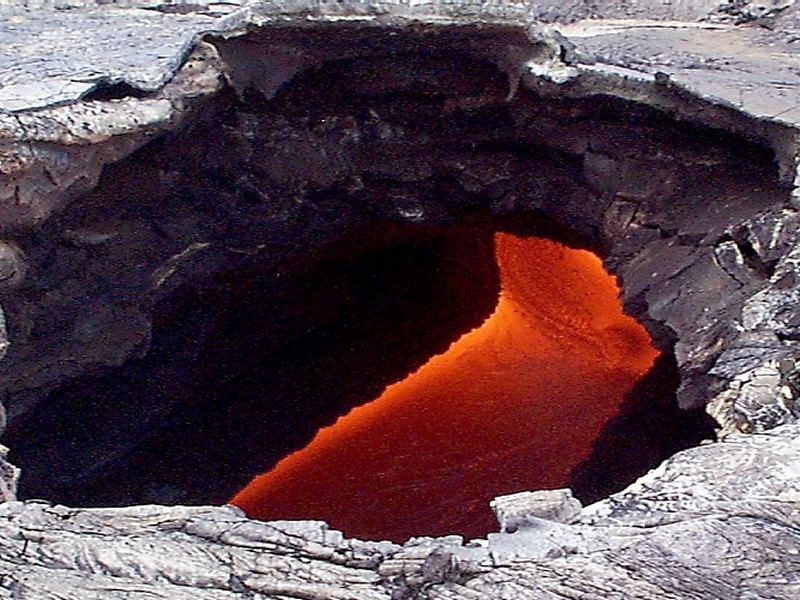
<point x="150" y="153"/>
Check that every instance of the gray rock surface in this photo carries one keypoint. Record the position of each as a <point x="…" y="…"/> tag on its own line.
<point x="514" y="510"/>
<point x="719" y="521"/>
<point x="9" y="474"/>
<point x="711" y="265"/>
<point x="58" y="128"/>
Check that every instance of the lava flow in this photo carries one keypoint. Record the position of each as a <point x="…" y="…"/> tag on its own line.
<point x="512" y="405"/>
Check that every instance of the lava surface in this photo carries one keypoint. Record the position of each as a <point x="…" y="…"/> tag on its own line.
<point x="512" y="405"/>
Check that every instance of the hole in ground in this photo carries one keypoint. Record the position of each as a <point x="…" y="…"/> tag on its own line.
<point x="298" y="253"/>
<point x="245" y="368"/>
<point x="515" y="404"/>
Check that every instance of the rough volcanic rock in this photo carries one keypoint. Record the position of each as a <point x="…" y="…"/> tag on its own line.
<point x="149" y="147"/>
<point x="270" y="190"/>
<point x="641" y="203"/>
<point x="718" y="521"/>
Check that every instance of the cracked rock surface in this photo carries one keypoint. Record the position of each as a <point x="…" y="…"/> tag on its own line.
<point x="70" y="106"/>
<point x="675" y="135"/>
<point x="694" y="528"/>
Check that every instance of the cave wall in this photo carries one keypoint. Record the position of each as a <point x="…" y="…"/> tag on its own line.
<point x="160" y="88"/>
<point x="353" y="139"/>
<point x="627" y="180"/>
<point x="718" y="521"/>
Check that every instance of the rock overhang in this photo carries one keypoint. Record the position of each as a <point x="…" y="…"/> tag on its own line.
<point x="757" y="365"/>
<point x="659" y="64"/>
<point x="66" y="146"/>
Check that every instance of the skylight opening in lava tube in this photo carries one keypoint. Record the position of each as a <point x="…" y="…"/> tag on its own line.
<point x="512" y="405"/>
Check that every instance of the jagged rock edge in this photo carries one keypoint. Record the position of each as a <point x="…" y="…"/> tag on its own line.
<point x="452" y="584"/>
<point x="551" y="66"/>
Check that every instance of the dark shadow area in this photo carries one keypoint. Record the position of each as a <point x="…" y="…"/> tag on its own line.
<point x="648" y="429"/>
<point x="245" y="367"/>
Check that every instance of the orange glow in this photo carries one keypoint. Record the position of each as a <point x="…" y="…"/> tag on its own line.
<point x="512" y="405"/>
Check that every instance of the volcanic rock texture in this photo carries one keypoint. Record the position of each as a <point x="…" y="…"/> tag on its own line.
<point x="233" y="286"/>
<point x="191" y="223"/>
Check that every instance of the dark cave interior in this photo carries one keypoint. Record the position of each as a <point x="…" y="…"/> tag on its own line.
<point x="313" y="246"/>
<point x="227" y="385"/>
<point x="516" y="403"/>
<point x="245" y="368"/>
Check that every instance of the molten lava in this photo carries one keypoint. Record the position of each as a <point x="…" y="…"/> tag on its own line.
<point x="512" y="405"/>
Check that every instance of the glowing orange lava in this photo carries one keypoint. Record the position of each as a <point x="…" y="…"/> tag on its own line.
<point x="512" y="405"/>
